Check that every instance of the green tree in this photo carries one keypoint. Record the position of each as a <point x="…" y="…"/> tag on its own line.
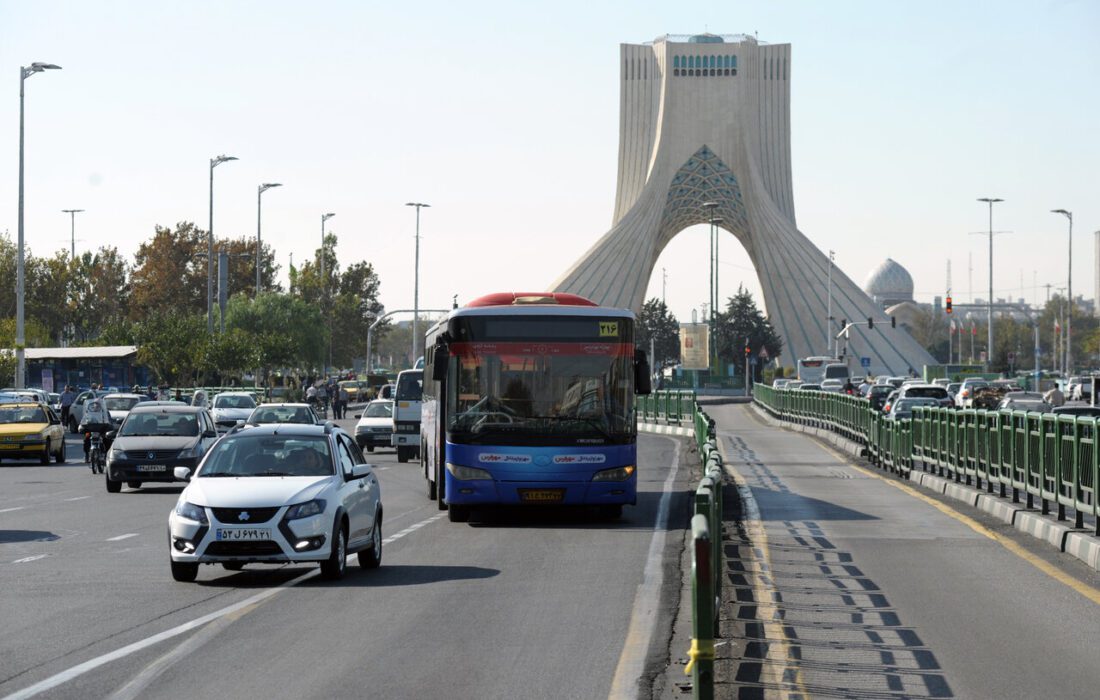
<point x="743" y="322"/>
<point x="656" y="322"/>
<point x="99" y="292"/>
<point x="289" y="331"/>
<point x="173" y="345"/>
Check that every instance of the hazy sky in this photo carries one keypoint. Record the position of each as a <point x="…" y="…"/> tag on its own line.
<point x="504" y="117"/>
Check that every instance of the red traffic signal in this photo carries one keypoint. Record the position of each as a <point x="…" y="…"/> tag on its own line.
<point x="748" y="350"/>
<point x="947" y="305"/>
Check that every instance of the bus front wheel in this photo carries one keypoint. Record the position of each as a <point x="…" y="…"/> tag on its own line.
<point x="458" y="514"/>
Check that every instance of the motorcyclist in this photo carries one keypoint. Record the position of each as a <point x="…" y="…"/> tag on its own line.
<point x="97" y="419"/>
<point x="199" y="399"/>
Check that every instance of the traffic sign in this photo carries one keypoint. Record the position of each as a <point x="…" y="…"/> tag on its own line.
<point x="864" y="362"/>
<point x="752" y="361"/>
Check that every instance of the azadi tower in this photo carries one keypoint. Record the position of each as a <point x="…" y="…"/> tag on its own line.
<point x="706" y="118"/>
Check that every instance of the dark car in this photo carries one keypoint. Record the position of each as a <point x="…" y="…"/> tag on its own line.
<point x="877" y="395"/>
<point x="154" y="440"/>
<point x="1083" y="411"/>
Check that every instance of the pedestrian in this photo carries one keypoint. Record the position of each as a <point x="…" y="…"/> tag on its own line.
<point x="162" y="393"/>
<point x="343" y="397"/>
<point x="1055" y="397"/>
<point x="67" y="398"/>
<point x="179" y="395"/>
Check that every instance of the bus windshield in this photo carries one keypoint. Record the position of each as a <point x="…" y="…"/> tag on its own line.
<point x="515" y="384"/>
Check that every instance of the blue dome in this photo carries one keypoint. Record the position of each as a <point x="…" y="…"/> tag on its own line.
<point x="706" y="39"/>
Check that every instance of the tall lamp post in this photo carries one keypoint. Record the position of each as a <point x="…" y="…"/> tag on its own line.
<point x="259" y="210"/>
<point x="72" y="229"/>
<point x="416" y="278"/>
<point x="1069" y="293"/>
<point x="989" y="317"/>
<point x="214" y="162"/>
<point x="829" y="307"/>
<point x="20" y="356"/>
<point x="711" y="301"/>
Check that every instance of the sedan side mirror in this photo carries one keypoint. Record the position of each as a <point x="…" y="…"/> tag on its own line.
<point x="358" y="415"/>
<point x="210" y="433"/>
<point x="182" y="474"/>
<point x="360" y="470"/>
<point x="111" y="434"/>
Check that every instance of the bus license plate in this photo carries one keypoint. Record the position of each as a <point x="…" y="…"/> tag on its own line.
<point x="542" y="495"/>
<point x="241" y="534"/>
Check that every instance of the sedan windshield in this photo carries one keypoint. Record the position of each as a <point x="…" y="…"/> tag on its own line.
<point x="379" y="409"/>
<point x="22" y="415"/>
<point x="282" y="414"/>
<point x="149" y="424"/>
<point x="269" y="455"/>
<point x="234" y="402"/>
<point x="120" y="403"/>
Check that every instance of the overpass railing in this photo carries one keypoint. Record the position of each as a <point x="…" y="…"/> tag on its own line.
<point x="673" y="407"/>
<point x="1041" y="457"/>
<point x="706" y="559"/>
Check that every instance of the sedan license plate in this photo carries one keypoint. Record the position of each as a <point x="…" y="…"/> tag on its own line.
<point x="151" y="467"/>
<point x="542" y="495"/>
<point x="9" y="446"/>
<point x="238" y="534"/>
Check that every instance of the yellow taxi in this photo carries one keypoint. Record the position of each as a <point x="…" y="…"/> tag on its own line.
<point x="353" y="388"/>
<point x="29" y="430"/>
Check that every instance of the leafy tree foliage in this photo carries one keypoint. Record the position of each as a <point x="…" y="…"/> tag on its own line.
<point x="98" y="292"/>
<point x="742" y="321"/>
<point x="656" y="322"/>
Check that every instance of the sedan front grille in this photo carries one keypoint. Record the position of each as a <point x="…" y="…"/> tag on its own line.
<point x="243" y="549"/>
<point x="252" y="515"/>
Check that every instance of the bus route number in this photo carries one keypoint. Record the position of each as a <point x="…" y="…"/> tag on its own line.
<point x="609" y="329"/>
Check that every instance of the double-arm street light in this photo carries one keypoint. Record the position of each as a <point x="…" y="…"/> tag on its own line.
<point x="72" y="229"/>
<point x="989" y="316"/>
<point x="20" y="356"/>
<point x="259" y="210"/>
<point x="214" y="162"/>
<point x="1069" y="292"/>
<point x="416" y="279"/>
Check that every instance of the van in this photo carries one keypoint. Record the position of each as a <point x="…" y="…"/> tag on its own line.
<point x="406" y="414"/>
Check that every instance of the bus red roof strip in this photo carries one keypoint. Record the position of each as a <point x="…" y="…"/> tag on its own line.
<point x="532" y="347"/>
<point x="531" y="298"/>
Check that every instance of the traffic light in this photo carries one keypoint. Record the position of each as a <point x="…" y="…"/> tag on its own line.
<point x="947" y="305"/>
<point x="870" y="322"/>
<point x="748" y="350"/>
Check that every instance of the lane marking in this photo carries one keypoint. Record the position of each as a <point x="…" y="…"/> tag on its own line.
<point x="765" y="593"/>
<point x="78" y="498"/>
<point x="122" y="537"/>
<point x="1047" y="568"/>
<point x="643" y="616"/>
<point x="411" y="528"/>
<point x="35" y="557"/>
<point x="251" y="602"/>
<point x="10" y="510"/>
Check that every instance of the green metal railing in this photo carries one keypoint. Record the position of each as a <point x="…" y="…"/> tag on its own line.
<point x="706" y="560"/>
<point x="1039" y="456"/>
<point x="673" y="407"/>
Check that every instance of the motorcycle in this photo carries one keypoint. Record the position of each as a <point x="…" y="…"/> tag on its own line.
<point x="97" y="454"/>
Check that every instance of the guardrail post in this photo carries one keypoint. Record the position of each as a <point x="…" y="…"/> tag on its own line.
<point x="701" y="654"/>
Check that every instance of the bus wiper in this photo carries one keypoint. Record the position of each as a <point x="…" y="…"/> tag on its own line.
<point x="592" y="422"/>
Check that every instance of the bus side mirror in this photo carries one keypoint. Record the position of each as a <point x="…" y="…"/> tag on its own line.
<point x="439" y="363"/>
<point x="642" y="380"/>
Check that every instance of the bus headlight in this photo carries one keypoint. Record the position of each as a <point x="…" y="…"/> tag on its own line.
<point x="467" y="473"/>
<point x="616" y="474"/>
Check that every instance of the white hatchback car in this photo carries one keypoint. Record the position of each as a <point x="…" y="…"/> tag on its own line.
<point x="229" y="407"/>
<point x="276" y="494"/>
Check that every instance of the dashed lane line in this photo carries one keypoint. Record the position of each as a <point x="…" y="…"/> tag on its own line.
<point x="31" y="558"/>
<point x="130" y="649"/>
<point x="122" y="537"/>
<point x="11" y="510"/>
<point x="78" y="498"/>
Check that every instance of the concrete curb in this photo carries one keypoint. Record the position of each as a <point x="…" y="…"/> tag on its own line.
<point x="665" y="429"/>
<point x="1076" y="543"/>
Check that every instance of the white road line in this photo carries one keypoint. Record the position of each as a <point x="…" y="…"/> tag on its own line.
<point x="36" y="557"/>
<point x="78" y="498"/>
<point x="130" y="649"/>
<point x="643" y="617"/>
<point x="9" y="510"/>
<point x="122" y="537"/>
<point x="411" y="528"/>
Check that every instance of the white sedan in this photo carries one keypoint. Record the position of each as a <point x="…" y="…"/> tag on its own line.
<point x="276" y="494"/>
<point x="230" y="407"/>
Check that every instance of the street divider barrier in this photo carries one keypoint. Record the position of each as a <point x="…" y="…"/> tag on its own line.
<point x="672" y="407"/>
<point x="1052" y="459"/>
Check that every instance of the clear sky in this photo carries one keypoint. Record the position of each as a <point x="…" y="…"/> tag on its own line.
<point x="504" y="117"/>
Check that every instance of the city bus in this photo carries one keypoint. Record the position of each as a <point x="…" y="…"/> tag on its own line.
<point x="814" y="370"/>
<point x="529" y="400"/>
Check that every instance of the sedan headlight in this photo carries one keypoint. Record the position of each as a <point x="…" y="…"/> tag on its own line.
<point x="186" y="509"/>
<point x="35" y="436"/>
<point x="467" y="473"/>
<point x="114" y="454"/>
<point x="616" y="474"/>
<point x="305" y="510"/>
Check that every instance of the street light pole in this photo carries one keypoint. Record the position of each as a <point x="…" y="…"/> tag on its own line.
<point x="989" y="318"/>
<point x="712" y="300"/>
<point x="214" y="162"/>
<point x="20" y="355"/>
<point x="72" y="230"/>
<point x="416" y="279"/>
<point x="1069" y="292"/>
<point x="259" y="202"/>
<point x="829" y="307"/>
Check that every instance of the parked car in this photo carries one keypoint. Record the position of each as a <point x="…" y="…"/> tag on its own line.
<point x="300" y="493"/>
<point x="229" y="407"/>
<point x="375" y="426"/>
<point x="903" y="408"/>
<point x="31" y="430"/>
<point x="1024" y="401"/>
<point x="153" y="440"/>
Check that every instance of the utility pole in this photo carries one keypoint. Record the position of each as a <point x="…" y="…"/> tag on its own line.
<point x="1069" y="292"/>
<point x="72" y="230"/>
<point x="989" y="331"/>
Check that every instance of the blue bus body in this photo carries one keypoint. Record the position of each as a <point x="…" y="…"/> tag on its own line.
<point x="530" y="404"/>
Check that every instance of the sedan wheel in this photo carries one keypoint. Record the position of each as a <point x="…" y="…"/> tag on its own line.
<point x="333" y="568"/>
<point x="372" y="558"/>
<point x="185" y="572"/>
<point x="113" y="486"/>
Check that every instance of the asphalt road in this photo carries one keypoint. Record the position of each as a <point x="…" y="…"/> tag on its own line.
<point x="517" y="605"/>
<point x="880" y="594"/>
